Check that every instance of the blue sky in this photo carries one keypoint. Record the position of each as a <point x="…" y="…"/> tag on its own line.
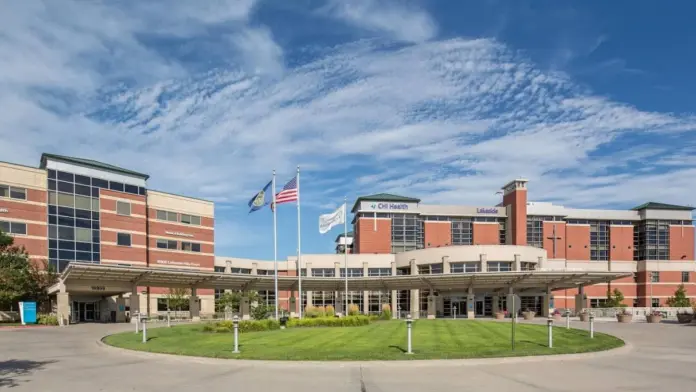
<point x="444" y="100"/>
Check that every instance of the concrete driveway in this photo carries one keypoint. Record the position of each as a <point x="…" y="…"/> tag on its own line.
<point x="662" y="357"/>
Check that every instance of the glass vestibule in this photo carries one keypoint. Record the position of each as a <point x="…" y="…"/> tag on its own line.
<point x="85" y="312"/>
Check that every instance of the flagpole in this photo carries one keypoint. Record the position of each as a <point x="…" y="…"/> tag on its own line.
<point x="345" y="247"/>
<point x="299" y="246"/>
<point x="275" y="244"/>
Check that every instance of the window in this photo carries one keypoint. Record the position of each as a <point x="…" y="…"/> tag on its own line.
<point x="407" y="232"/>
<point x="535" y="231"/>
<point x="528" y="266"/>
<point x="323" y="298"/>
<point x="429" y="269"/>
<point x="379" y="272"/>
<point x="464" y="267"/>
<point x="65" y="200"/>
<point x="4" y="191"/>
<point x="13" y="227"/>
<point x="84" y="235"/>
<point x="324" y="272"/>
<point x="265" y="272"/>
<point x="655" y="277"/>
<point x="190" y="247"/>
<point x="499" y="266"/>
<point x="167" y="215"/>
<point x="123" y="239"/>
<point x="599" y="240"/>
<point x="352" y="272"/>
<point x="218" y="269"/>
<point x="13" y="192"/>
<point x="83" y="202"/>
<point x="123" y="208"/>
<point x="597" y="302"/>
<point x="376" y="299"/>
<point x="169" y="244"/>
<point x="685" y="276"/>
<point x="246" y="271"/>
<point x="655" y="302"/>
<point x="651" y="240"/>
<point x="461" y="231"/>
<point x="191" y="219"/>
<point x="502" y="232"/>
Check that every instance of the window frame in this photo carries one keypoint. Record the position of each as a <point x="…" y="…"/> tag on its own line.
<point x="119" y="237"/>
<point x="167" y="243"/>
<point x="685" y="277"/>
<point x="654" y="276"/>
<point x="11" y="226"/>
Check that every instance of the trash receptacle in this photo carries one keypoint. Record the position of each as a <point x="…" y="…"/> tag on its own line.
<point x="283" y="322"/>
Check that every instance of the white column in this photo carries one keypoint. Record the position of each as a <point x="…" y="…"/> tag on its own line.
<point x="308" y="268"/>
<point x="470" y="304"/>
<point x="194" y="306"/>
<point x="134" y="304"/>
<point x="415" y="294"/>
<point x="365" y="294"/>
<point x="518" y="263"/>
<point x="394" y="303"/>
<point x="483" y="259"/>
<point x="445" y="265"/>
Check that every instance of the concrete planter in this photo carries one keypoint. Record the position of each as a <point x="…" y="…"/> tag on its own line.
<point x="500" y="316"/>
<point x="584" y="317"/>
<point x="624" y="318"/>
<point x="653" y="318"/>
<point x="528" y="315"/>
<point x="684" y="318"/>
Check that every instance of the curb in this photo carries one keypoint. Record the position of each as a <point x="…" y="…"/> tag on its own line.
<point x="625" y="349"/>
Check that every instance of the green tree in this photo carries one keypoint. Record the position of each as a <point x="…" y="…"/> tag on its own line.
<point x="614" y="299"/>
<point x="178" y="299"/>
<point x="228" y="300"/>
<point x="22" y="279"/>
<point x="679" y="300"/>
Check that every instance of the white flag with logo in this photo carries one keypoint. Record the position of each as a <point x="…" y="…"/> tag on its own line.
<point x="328" y="221"/>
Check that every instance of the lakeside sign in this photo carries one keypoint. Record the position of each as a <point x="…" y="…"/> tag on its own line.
<point x="487" y="210"/>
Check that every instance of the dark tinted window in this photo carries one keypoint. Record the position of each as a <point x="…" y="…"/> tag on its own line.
<point x="65" y="187"/>
<point x="100" y="183"/>
<point x="132" y="189"/>
<point x="116" y="186"/>
<point x="63" y="176"/>
<point x="82" y="180"/>
<point x="83" y="190"/>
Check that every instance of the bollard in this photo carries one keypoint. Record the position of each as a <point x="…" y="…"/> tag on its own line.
<point x="409" y="323"/>
<point x="144" y="331"/>
<point x="235" y="321"/>
<point x="169" y="324"/>
<point x="591" y="325"/>
<point x="567" y="318"/>
<point x="454" y="312"/>
<point x="549" y="322"/>
<point x="137" y="323"/>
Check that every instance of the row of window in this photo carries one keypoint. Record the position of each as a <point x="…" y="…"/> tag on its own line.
<point x="600" y="302"/>
<point x="174" y="245"/>
<point x="73" y="201"/>
<point x="13" y="192"/>
<point x="321" y="272"/>
<point x="59" y="179"/>
<point x="180" y="218"/>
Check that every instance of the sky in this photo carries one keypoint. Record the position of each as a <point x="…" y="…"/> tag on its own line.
<point x="592" y="102"/>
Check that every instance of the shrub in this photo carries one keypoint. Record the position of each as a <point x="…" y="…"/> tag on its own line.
<point x="330" y="311"/>
<point x="351" y="321"/>
<point x="353" y="310"/>
<point x="47" y="319"/>
<point x="386" y="312"/>
<point x="261" y="312"/>
<point x="225" y="326"/>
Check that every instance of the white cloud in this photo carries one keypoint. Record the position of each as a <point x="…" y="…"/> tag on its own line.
<point x="399" y="20"/>
<point x="448" y="121"/>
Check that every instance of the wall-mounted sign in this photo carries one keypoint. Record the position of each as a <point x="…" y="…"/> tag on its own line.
<point x="4" y="210"/>
<point x="487" y="210"/>
<point x="178" y="263"/>
<point x="180" y="234"/>
<point x="98" y="288"/>
<point x="388" y="206"/>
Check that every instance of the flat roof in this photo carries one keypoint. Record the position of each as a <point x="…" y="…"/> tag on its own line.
<point x="90" y="163"/>
<point x="78" y="273"/>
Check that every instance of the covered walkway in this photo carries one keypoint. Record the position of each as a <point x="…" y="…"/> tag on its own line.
<point x="107" y="280"/>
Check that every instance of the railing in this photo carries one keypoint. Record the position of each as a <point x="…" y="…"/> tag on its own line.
<point x="667" y="313"/>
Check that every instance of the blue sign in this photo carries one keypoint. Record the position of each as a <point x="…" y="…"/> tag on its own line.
<point x="27" y="312"/>
<point x="487" y="210"/>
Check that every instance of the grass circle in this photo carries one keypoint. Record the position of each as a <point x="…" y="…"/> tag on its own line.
<point x="384" y="340"/>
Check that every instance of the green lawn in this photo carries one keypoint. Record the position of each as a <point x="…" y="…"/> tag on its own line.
<point x="386" y="340"/>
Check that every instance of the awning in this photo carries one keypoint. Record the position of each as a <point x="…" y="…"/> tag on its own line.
<point x="125" y="276"/>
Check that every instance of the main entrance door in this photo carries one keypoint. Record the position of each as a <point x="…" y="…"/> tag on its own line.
<point x="479" y="308"/>
<point x="85" y="312"/>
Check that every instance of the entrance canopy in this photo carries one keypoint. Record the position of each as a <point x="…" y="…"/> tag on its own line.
<point x="120" y="279"/>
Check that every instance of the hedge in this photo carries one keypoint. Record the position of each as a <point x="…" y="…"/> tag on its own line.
<point x="46" y="319"/>
<point x="270" y="324"/>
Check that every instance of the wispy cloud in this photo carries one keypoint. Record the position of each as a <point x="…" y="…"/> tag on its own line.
<point x="403" y="21"/>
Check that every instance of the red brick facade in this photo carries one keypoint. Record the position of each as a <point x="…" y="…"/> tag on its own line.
<point x="437" y="234"/>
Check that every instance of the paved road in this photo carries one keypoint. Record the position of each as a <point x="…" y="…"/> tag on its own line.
<point x="662" y="358"/>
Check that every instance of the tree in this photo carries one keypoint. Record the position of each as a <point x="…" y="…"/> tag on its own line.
<point x="614" y="299"/>
<point x="679" y="300"/>
<point x="178" y="299"/>
<point x="22" y="279"/>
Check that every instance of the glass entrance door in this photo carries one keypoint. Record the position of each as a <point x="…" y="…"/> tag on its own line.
<point x="479" y="308"/>
<point x="459" y="308"/>
<point x="89" y="311"/>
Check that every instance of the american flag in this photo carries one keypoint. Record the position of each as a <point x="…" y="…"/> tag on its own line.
<point x="288" y="193"/>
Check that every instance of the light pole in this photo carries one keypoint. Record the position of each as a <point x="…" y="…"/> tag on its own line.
<point x="409" y="326"/>
<point x="235" y="321"/>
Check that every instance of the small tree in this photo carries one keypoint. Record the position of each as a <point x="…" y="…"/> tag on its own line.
<point x="615" y="299"/>
<point x="178" y="299"/>
<point x="679" y="300"/>
<point x="228" y="301"/>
